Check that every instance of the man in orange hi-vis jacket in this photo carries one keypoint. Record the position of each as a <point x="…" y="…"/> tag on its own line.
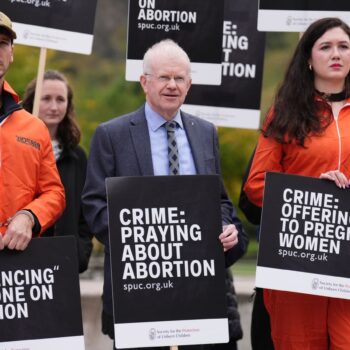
<point x="32" y="196"/>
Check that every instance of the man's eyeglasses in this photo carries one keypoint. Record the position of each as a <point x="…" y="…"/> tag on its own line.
<point x="165" y="79"/>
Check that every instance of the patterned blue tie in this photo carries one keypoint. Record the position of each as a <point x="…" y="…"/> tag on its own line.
<point x="173" y="153"/>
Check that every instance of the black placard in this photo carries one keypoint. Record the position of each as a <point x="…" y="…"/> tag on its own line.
<point x="305" y="5"/>
<point x="236" y="102"/>
<point x="297" y="15"/>
<point x="40" y="294"/>
<point x="195" y="25"/>
<point x="65" y="25"/>
<point x="304" y="236"/>
<point x="70" y="15"/>
<point x="167" y="261"/>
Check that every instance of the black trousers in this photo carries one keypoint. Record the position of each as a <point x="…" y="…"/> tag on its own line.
<point x="260" y="327"/>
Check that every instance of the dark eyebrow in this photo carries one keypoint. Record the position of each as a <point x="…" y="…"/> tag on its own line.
<point x="5" y="39"/>
<point x="340" y="42"/>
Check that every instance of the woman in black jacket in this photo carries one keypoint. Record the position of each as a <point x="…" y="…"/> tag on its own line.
<point x="56" y="110"/>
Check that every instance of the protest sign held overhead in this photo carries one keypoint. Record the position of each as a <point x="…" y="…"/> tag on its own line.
<point x="167" y="261"/>
<point x="65" y="25"/>
<point x="195" y="25"/>
<point x="236" y="102"/>
<point x="40" y="296"/>
<point x="305" y="236"/>
<point x="297" y="15"/>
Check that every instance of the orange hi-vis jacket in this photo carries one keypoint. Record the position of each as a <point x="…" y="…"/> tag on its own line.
<point x="28" y="175"/>
<point x="322" y="153"/>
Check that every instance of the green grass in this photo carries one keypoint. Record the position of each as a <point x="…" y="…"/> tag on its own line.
<point x="244" y="267"/>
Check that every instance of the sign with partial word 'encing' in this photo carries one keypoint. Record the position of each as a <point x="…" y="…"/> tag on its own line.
<point x="40" y="296"/>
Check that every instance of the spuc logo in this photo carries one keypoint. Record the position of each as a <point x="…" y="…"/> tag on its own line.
<point x="315" y="283"/>
<point x="152" y="334"/>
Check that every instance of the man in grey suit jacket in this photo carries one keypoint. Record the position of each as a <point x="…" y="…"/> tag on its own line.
<point x="136" y="145"/>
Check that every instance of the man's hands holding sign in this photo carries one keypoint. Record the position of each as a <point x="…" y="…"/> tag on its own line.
<point x="228" y="237"/>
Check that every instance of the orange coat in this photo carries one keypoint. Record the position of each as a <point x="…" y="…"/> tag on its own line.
<point x="300" y="321"/>
<point x="330" y="151"/>
<point x="28" y="173"/>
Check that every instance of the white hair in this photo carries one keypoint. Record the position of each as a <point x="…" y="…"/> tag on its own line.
<point x="167" y="48"/>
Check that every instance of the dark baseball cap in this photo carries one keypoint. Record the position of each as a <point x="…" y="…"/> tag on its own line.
<point x="5" y="23"/>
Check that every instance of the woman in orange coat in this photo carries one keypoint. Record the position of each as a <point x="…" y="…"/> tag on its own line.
<point x="307" y="132"/>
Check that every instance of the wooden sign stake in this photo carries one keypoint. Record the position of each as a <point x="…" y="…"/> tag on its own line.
<point x="39" y="81"/>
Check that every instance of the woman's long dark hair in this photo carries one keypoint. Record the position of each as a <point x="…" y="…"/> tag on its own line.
<point x="295" y="112"/>
<point x="68" y="132"/>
